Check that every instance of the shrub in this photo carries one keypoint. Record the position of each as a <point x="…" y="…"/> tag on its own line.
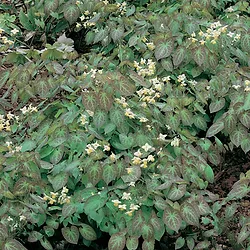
<point x="123" y="139"/>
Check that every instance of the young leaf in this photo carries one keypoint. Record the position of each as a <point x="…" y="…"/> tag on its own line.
<point x="51" y="6"/>
<point x="87" y="232"/>
<point x="68" y="209"/>
<point x="116" y="34"/>
<point x="179" y="242"/>
<point x="199" y="55"/>
<point x="209" y="174"/>
<point x="59" y="181"/>
<point x="71" y="234"/>
<point x="238" y="135"/>
<point x="117" y="241"/>
<point x="176" y="192"/>
<point x="179" y="55"/>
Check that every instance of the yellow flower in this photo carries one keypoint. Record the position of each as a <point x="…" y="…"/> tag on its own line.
<point x="122" y="207"/>
<point x="129" y="170"/>
<point x="136" y="160"/>
<point x="116" y="202"/>
<point x="53" y="195"/>
<point x="129" y="213"/>
<point x="112" y="157"/>
<point x="213" y="41"/>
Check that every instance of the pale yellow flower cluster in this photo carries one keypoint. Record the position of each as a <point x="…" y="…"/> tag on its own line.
<point x="122" y="101"/>
<point x="4" y="39"/>
<point x="122" y="206"/>
<point x="28" y="109"/>
<point x="86" y="20"/>
<point x="122" y="7"/>
<point x="247" y="85"/>
<point x="141" y="160"/>
<point x="83" y="119"/>
<point x="213" y="33"/>
<point x="145" y="67"/>
<point x="13" y="149"/>
<point x="175" y="142"/>
<point x="56" y="198"/>
<point x="5" y="122"/>
<point x="90" y="148"/>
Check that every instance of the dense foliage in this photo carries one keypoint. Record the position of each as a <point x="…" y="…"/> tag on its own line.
<point x="113" y="115"/>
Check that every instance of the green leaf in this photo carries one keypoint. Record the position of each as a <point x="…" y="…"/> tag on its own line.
<point x="245" y="43"/>
<point x="71" y="234"/>
<point x="46" y="244"/>
<point x="22" y="187"/>
<point x="93" y="203"/>
<point x="231" y="210"/>
<point x="176" y="192"/>
<point x="203" y="245"/>
<point x="147" y="231"/>
<point x="164" y="49"/>
<point x="148" y="245"/>
<point x="179" y="242"/>
<point x="186" y="117"/>
<point x="245" y="144"/>
<point x="243" y="235"/>
<point x="137" y="223"/>
<point x="59" y="181"/>
<point x="132" y="243"/>
<point x="167" y="65"/>
<point x="28" y="145"/>
<point x="26" y="22"/>
<point x="46" y="165"/>
<point x="13" y="244"/>
<point x="230" y="122"/>
<point x="68" y="209"/>
<point x="199" y="55"/>
<point x="57" y="154"/>
<point x="189" y="214"/>
<point x="89" y="100"/>
<point x="190" y="242"/>
<point x="3" y="231"/>
<point x="245" y="119"/>
<point x="116" y="34"/>
<point x="87" y="232"/>
<point x="246" y="105"/>
<point x="209" y="174"/>
<point x="109" y="173"/>
<point x="179" y="55"/>
<point x="71" y="12"/>
<point x="215" y="128"/>
<point x="95" y="173"/>
<point x="34" y="236"/>
<point x="4" y="76"/>
<point x="238" y="135"/>
<point x="51" y="6"/>
<point x="217" y="105"/>
<point x="117" y="241"/>
<point x="239" y="190"/>
<point x="105" y="101"/>
<point x="200" y="122"/>
<point x="116" y="115"/>
<point x="100" y="118"/>
<point x="172" y="218"/>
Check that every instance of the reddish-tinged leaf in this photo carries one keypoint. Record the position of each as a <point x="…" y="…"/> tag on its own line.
<point x="109" y="173"/>
<point x="117" y="241"/>
<point x="215" y="128"/>
<point x="238" y="135"/>
<point x="13" y="244"/>
<point x="179" y="55"/>
<point x="87" y="232"/>
<point x="148" y="245"/>
<point x="172" y="218"/>
<point x="176" y="192"/>
<point x="217" y="105"/>
<point x="189" y="214"/>
<point x="243" y="235"/>
<point x="203" y="245"/>
<point x="199" y="55"/>
<point x="71" y="234"/>
<point x="71" y="12"/>
<point x="147" y="231"/>
<point x="132" y="243"/>
<point x="179" y="243"/>
<point x="164" y="49"/>
<point x="95" y="173"/>
<point x="89" y="100"/>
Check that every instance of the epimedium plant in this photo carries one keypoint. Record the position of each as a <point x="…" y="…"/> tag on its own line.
<point x="124" y="139"/>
